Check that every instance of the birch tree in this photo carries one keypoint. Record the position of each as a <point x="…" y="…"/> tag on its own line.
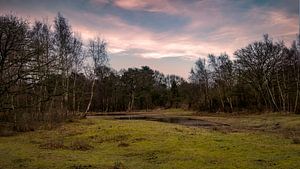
<point x="98" y="52"/>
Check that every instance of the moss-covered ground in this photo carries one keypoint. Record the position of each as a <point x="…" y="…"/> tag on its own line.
<point x="133" y="144"/>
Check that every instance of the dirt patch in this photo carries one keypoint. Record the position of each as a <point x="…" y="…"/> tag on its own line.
<point x="82" y="166"/>
<point x="123" y="144"/>
<point x="265" y="162"/>
<point x="217" y="122"/>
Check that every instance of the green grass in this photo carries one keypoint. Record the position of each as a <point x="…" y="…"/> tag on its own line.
<point x="145" y="144"/>
<point x="275" y="122"/>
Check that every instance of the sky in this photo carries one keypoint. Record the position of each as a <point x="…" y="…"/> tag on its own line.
<point x="167" y="35"/>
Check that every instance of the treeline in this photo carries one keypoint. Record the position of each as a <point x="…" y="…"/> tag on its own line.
<point x="264" y="76"/>
<point x="47" y="73"/>
<point x="135" y="89"/>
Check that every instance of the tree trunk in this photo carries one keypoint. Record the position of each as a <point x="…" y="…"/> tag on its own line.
<point x="91" y="98"/>
<point x="52" y="101"/>
<point x="272" y="97"/>
<point x="131" y="103"/>
<point x="281" y="93"/>
<point x="74" y="94"/>
<point x="15" y="113"/>
<point x="230" y="104"/>
<point x="297" y="92"/>
<point x="67" y="96"/>
<point x="221" y="99"/>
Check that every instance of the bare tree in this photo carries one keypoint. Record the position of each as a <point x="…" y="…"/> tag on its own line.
<point x="200" y="75"/>
<point x="63" y="48"/>
<point x="13" y="60"/>
<point x="78" y="57"/>
<point x="223" y="77"/>
<point x="40" y="64"/>
<point x="256" y="64"/>
<point x="97" y="51"/>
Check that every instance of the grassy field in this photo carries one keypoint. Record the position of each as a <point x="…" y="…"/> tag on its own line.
<point x="105" y="143"/>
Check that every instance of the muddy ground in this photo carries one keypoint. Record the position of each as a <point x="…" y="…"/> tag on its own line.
<point x="223" y="124"/>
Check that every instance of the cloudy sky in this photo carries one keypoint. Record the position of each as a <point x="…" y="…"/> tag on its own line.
<point x="167" y="35"/>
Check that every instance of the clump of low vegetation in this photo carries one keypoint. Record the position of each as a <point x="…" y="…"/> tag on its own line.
<point x="109" y="139"/>
<point x="123" y="144"/>
<point x="118" y="165"/>
<point x="82" y="166"/>
<point x="88" y="123"/>
<point x="81" y="145"/>
<point x="58" y="143"/>
<point x="53" y="144"/>
<point x="296" y="140"/>
<point x="6" y="133"/>
<point x="6" y="129"/>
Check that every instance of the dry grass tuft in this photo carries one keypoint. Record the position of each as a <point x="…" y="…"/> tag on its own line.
<point x="81" y="166"/>
<point x="53" y="144"/>
<point x="296" y="140"/>
<point x="123" y="144"/>
<point x="118" y="165"/>
<point x="80" y="145"/>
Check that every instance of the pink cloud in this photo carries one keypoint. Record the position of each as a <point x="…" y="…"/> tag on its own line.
<point x="209" y="28"/>
<point x="122" y="36"/>
<point x="164" y="6"/>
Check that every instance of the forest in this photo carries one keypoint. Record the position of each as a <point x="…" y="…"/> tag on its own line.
<point x="47" y="73"/>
